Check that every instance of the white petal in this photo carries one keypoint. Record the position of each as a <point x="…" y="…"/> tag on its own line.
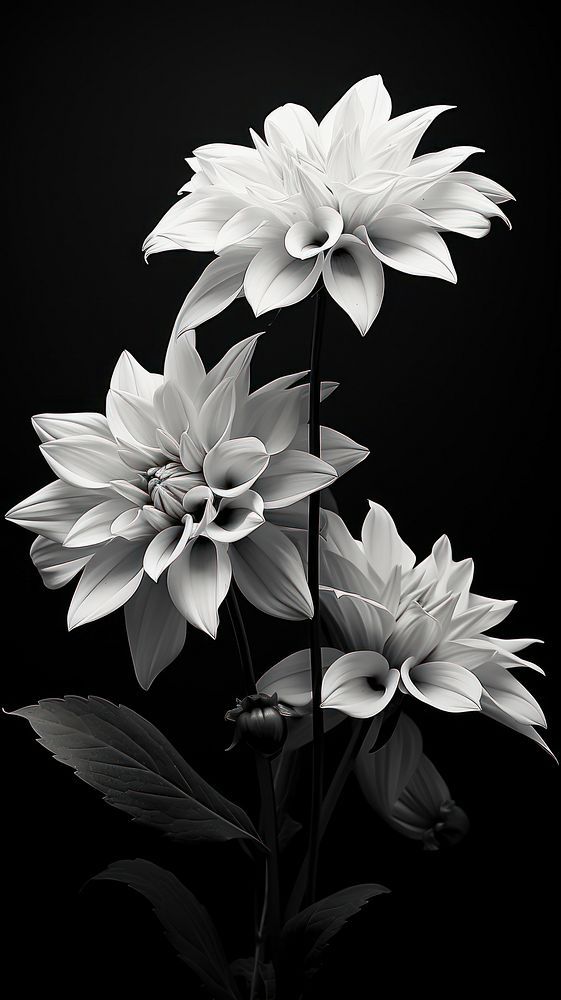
<point x="131" y="418"/>
<point x="291" y="679"/>
<point x="292" y="126"/>
<point x="445" y="686"/>
<point x="55" y="508"/>
<point x="459" y="208"/>
<point x="274" y="279"/>
<point x="307" y="238"/>
<point x="410" y="247"/>
<point x="354" y="277"/>
<point x="57" y="564"/>
<point x="291" y="476"/>
<point x="155" y="629"/>
<point x="110" y="578"/>
<point x="130" y="376"/>
<point x="235" y="364"/>
<point x="198" y="582"/>
<point x="493" y="191"/>
<point x="337" y="449"/>
<point x="374" y="101"/>
<point x="271" y="414"/>
<point x="94" y="526"/>
<point x="165" y="547"/>
<point x="509" y="695"/>
<point x="183" y="364"/>
<point x="268" y="570"/>
<point x="218" y="286"/>
<point x="442" y="161"/>
<point x="245" y="224"/>
<point x="231" y="467"/>
<point x="50" y="426"/>
<point x="383" y="546"/>
<point x="85" y="460"/>
<point x="174" y="410"/>
<point x="415" y="635"/>
<point x="236" y="517"/>
<point x="217" y="414"/>
<point x="193" y="223"/>
<point x="348" y="684"/>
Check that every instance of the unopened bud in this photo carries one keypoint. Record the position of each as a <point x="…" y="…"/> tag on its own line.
<point x="450" y="828"/>
<point x="260" y="723"/>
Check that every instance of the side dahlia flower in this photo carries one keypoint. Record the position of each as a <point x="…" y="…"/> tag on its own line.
<point x="180" y="485"/>
<point x="335" y="201"/>
<point x="398" y="628"/>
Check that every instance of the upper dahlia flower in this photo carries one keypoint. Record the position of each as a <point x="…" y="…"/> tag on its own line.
<point x="335" y="200"/>
<point x="395" y="626"/>
<point x="175" y="489"/>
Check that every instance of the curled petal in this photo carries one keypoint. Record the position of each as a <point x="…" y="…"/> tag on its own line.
<point x="509" y="695"/>
<point x="409" y="246"/>
<point x="274" y="279"/>
<point x="308" y="238"/>
<point x="291" y="680"/>
<point x="236" y="517"/>
<point x="193" y="223"/>
<point x="354" y="277"/>
<point x="165" y="547"/>
<point x="198" y="581"/>
<point x="269" y="572"/>
<point x="231" y="467"/>
<point x="360" y="684"/>
<point x="445" y="686"/>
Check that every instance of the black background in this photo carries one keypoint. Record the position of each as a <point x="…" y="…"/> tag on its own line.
<point x="451" y="390"/>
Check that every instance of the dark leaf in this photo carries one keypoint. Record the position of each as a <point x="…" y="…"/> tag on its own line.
<point x="186" y="923"/>
<point x="288" y="829"/>
<point x="136" y="768"/>
<point x="243" y="968"/>
<point x="306" y="935"/>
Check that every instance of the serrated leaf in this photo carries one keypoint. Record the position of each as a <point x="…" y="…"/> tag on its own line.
<point x="306" y="936"/>
<point x="136" y="769"/>
<point x="186" y="923"/>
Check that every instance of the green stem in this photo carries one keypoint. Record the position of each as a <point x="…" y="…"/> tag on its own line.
<point x="314" y="428"/>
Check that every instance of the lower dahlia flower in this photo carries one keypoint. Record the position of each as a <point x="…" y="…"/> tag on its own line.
<point x="159" y="502"/>
<point x="395" y="627"/>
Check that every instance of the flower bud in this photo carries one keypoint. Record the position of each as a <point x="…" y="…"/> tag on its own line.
<point x="260" y="724"/>
<point x="450" y="828"/>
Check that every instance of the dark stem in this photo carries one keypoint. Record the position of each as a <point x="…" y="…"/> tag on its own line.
<point x="314" y="428"/>
<point x="271" y="903"/>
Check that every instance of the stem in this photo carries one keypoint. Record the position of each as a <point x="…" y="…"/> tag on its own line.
<point x="271" y="903"/>
<point x="314" y="428"/>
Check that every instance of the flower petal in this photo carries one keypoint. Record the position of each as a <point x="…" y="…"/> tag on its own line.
<point x="198" y="582"/>
<point x="49" y="426"/>
<point x="275" y="280"/>
<point x="183" y="364"/>
<point x="269" y="572"/>
<point x="383" y="547"/>
<point x="445" y="686"/>
<point x="56" y="564"/>
<point x="307" y="238"/>
<point x="231" y="467"/>
<point x="354" y="277"/>
<point x="193" y="223"/>
<point x="54" y="509"/>
<point x="291" y="679"/>
<point x="130" y="376"/>
<point x="156" y="630"/>
<point x="217" y="413"/>
<point x="271" y="414"/>
<point x="94" y="526"/>
<point x="509" y="695"/>
<point x="415" y="635"/>
<point x="85" y="460"/>
<point x="236" y="517"/>
<point x="291" y="476"/>
<point x="360" y="684"/>
<point x="219" y="284"/>
<point x="166" y="546"/>
<point x="409" y="246"/>
<point x="110" y="578"/>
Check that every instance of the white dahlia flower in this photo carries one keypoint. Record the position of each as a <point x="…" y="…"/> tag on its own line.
<point x="336" y="200"/>
<point x="176" y="488"/>
<point x="397" y="628"/>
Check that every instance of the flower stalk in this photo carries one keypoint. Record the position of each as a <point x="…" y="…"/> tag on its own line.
<point x="314" y="429"/>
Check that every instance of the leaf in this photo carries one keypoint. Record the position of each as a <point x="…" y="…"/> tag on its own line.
<point x="306" y="936"/>
<point x="187" y="925"/>
<point x="243" y="968"/>
<point x="136" y="768"/>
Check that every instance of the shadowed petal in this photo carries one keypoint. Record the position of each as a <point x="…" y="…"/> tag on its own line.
<point x="354" y="277"/>
<point x="198" y="581"/>
<point x="274" y="279"/>
<point x="291" y="476"/>
<point x="360" y="684"/>
<point x="231" y="467"/>
<point x="155" y="629"/>
<point x="56" y="564"/>
<point x="445" y="686"/>
<point x="269" y="572"/>
<point x="110" y="578"/>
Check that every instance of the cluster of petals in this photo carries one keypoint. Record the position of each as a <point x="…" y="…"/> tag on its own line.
<point x="337" y="200"/>
<point x="398" y="628"/>
<point x="180" y="485"/>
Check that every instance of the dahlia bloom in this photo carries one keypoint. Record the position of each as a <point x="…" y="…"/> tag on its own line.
<point x="338" y="200"/>
<point x="180" y="485"/>
<point x="410" y="629"/>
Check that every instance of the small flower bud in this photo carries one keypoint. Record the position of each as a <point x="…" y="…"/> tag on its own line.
<point x="260" y="723"/>
<point x="449" y="829"/>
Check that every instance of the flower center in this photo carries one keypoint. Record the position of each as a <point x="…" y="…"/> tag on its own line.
<point x="167" y="486"/>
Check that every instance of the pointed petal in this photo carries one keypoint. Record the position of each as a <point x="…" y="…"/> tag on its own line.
<point x="509" y="695"/>
<point x="307" y="238"/>
<point x="354" y="277"/>
<point x="445" y="686"/>
<point x="383" y="546"/>
<point x="198" y="582"/>
<point x="110" y="578"/>
<point x="410" y="247"/>
<point x="165" y="547"/>
<point x="183" y="364"/>
<point x="54" y="509"/>
<point x="85" y="460"/>
<point x="94" y="526"/>
<point x="269" y="572"/>
<point x="216" y="414"/>
<point x="156" y="630"/>
<point x="50" y="426"/>
<point x="291" y="476"/>
<point x="219" y="284"/>
<point x="56" y="564"/>
<point x="291" y="680"/>
<point x="274" y="279"/>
